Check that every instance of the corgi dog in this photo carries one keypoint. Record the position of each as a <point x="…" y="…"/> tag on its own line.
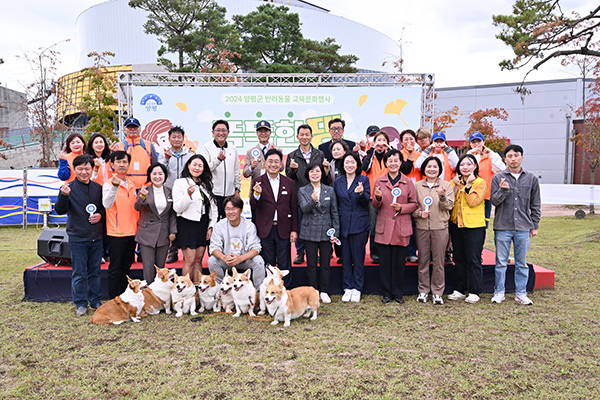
<point x="183" y="295"/>
<point x="226" y="293"/>
<point x="208" y="292"/>
<point x="285" y="305"/>
<point x="158" y="294"/>
<point x="273" y="274"/>
<point x="129" y="305"/>
<point x="245" y="295"/>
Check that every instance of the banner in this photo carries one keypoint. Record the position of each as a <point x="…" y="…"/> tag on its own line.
<point x="196" y="108"/>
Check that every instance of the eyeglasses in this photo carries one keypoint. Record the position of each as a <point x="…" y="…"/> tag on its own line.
<point x="336" y="129"/>
<point x="230" y="209"/>
<point x="221" y="131"/>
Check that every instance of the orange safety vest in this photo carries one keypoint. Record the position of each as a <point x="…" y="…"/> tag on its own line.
<point x="485" y="172"/>
<point x="122" y="217"/>
<point x="70" y="157"/>
<point x="140" y="160"/>
<point x="377" y="171"/>
<point x="415" y="174"/>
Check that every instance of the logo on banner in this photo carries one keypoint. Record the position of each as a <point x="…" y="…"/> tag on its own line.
<point x="151" y="101"/>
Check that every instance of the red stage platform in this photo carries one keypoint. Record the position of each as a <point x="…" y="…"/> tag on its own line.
<point x="46" y="282"/>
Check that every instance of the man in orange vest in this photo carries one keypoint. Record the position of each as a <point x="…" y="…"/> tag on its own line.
<point x="490" y="163"/>
<point x="118" y="198"/>
<point x="143" y="154"/>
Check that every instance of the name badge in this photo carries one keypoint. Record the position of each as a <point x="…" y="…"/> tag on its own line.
<point x="327" y="198"/>
<point x="136" y="165"/>
<point x="284" y="192"/>
<point x="289" y="215"/>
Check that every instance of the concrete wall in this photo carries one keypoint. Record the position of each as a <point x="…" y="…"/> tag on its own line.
<point x="539" y="123"/>
<point x="27" y="156"/>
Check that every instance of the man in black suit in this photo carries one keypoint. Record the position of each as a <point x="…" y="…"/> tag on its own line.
<point x="275" y="207"/>
<point x="336" y="130"/>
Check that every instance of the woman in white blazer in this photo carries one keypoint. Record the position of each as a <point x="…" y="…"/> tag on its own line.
<point x="196" y="209"/>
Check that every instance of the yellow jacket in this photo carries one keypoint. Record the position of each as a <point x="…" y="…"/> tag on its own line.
<point x="469" y="208"/>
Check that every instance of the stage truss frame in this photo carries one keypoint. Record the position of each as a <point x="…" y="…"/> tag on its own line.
<point x="130" y="79"/>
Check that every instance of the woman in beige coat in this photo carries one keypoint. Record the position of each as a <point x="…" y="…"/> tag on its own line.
<point x="435" y="200"/>
<point x="157" y="226"/>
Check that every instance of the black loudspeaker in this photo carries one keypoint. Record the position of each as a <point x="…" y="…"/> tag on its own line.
<point x="53" y="247"/>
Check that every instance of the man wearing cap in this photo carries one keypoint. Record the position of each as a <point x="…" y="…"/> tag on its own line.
<point x="336" y="130"/>
<point x="143" y="154"/>
<point x="441" y="150"/>
<point x="490" y="163"/>
<point x="368" y="143"/>
<point x="254" y="166"/>
<point x="224" y="163"/>
<point x="81" y="200"/>
<point x="295" y="168"/>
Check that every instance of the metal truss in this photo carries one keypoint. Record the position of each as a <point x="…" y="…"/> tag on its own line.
<point x="127" y="80"/>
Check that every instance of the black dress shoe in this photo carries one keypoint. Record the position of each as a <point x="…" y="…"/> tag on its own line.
<point x="386" y="300"/>
<point x="172" y="258"/>
<point x="299" y="259"/>
<point x="400" y="300"/>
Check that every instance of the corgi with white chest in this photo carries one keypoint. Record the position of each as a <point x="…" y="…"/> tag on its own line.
<point x="226" y="293"/>
<point x="183" y="296"/>
<point x="129" y="305"/>
<point x="245" y="295"/>
<point x="208" y="292"/>
<point x="285" y="305"/>
<point x="275" y="275"/>
<point x="158" y="294"/>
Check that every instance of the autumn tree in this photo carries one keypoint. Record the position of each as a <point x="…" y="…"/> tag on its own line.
<point x="445" y="119"/>
<point x="482" y="121"/>
<point x="540" y="30"/>
<point x="99" y="100"/>
<point x="42" y="101"/>
<point x="185" y="28"/>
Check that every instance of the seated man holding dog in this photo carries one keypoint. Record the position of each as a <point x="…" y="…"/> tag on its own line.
<point x="234" y="243"/>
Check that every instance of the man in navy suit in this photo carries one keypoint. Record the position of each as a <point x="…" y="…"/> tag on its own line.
<point x="274" y="205"/>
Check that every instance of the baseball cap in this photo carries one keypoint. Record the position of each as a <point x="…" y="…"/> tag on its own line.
<point x="476" y="135"/>
<point x="372" y="130"/>
<point x="438" y="135"/>
<point x="132" y="121"/>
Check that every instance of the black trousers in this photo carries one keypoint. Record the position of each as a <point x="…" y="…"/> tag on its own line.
<point x="121" y="250"/>
<point x="312" y="250"/>
<point x="277" y="252"/>
<point x="391" y="270"/>
<point x="468" y="245"/>
<point x="220" y="208"/>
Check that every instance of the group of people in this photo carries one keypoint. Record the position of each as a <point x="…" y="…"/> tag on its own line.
<point x="414" y="204"/>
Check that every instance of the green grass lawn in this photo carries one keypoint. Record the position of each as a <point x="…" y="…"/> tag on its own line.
<point x="550" y="350"/>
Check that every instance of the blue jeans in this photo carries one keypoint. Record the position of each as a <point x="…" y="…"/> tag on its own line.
<point x="503" y="239"/>
<point x="86" y="258"/>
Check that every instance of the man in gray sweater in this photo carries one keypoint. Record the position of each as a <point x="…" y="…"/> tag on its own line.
<point x="234" y="243"/>
<point x="516" y="196"/>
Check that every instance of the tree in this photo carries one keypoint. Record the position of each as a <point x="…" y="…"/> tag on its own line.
<point x="99" y="99"/>
<point x="480" y="121"/>
<point x="323" y="57"/>
<point x="185" y="28"/>
<point x="540" y="30"/>
<point x="271" y="40"/>
<point x="43" y="101"/>
<point x="445" y="119"/>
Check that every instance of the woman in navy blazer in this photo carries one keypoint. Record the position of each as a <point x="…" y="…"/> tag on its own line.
<point x="353" y="192"/>
<point x="319" y="205"/>
<point x="157" y="225"/>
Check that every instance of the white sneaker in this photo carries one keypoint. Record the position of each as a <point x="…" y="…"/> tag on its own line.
<point x="422" y="298"/>
<point x="523" y="299"/>
<point x="355" y="296"/>
<point x="472" y="298"/>
<point x="437" y="299"/>
<point x="325" y="298"/>
<point x="498" y="298"/>
<point x="347" y="295"/>
<point x="456" y="295"/>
